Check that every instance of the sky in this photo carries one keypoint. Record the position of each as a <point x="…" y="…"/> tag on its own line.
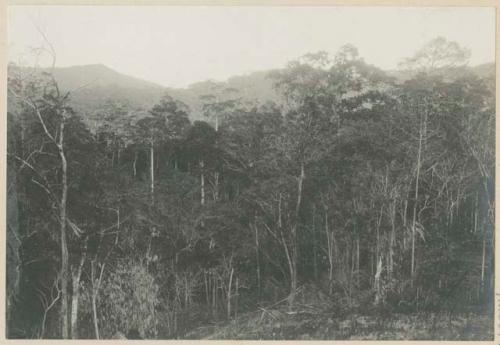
<point x="177" y="46"/>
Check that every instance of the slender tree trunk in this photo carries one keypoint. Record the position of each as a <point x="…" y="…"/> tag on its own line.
<point x="291" y="269"/>
<point x="237" y="297"/>
<point x="76" y="275"/>
<point x="229" y="293"/>
<point x="206" y="287"/>
<point x="294" y="244"/>
<point x="216" y="186"/>
<point x="483" y="259"/>
<point x="405" y="211"/>
<point x="414" y="222"/>
<point x="299" y="191"/>
<point x="152" y="171"/>
<point x="257" y="255"/>
<point x="393" y="239"/>
<point x="329" y="240"/>
<point x="377" y="283"/>
<point x="357" y="261"/>
<point x="94" y="316"/>
<point x="64" y="244"/>
<point x="315" y="259"/>
<point x="96" y="285"/>
<point x="214" y="294"/>
<point x="134" y="165"/>
<point x="202" y="182"/>
<point x="475" y="214"/>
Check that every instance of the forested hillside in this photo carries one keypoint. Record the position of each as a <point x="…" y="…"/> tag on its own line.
<point x="328" y="199"/>
<point x="93" y="87"/>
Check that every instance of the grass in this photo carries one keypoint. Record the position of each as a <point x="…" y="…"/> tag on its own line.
<point x="303" y="324"/>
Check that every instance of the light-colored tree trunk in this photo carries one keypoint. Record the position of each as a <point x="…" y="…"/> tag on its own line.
<point x="293" y="246"/>
<point x="357" y="261"/>
<point x="237" y="297"/>
<point x="64" y="243"/>
<point x="94" y="316"/>
<point x="392" y="240"/>
<point x="202" y="182"/>
<point x="229" y="293"/>
<point x="329" y="243"/>
<point x="483" y="259"/>
<point x="377" y="282"/>
<point x="152" y="171"/>
<point x="257" y="255"/>
<point x="134" y="165"/>
<point x="76" y="275"/>
<point x="214" y="295"/>
<point x="216" y="186"/>
<point x="207" y="292"/>
<point x="414" y="221"/>
<point x="315" y="249"/>
<point x="96" y="285"/>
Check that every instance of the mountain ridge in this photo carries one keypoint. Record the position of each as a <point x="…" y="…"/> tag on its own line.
<point x="93" y="85"/>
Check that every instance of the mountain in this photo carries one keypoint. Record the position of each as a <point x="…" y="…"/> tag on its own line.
<point x="98" y="75"/>
<point x="93" y="85"/>
<point x="256" y="86"/>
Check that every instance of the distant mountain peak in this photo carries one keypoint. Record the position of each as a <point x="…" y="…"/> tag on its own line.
<point x="100" y="75"/>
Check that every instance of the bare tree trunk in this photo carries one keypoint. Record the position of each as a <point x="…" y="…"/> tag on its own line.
<point x="291" y="269"/>
<point x="393" y="238"/>
<point x="405" y="211"/>
<point x="257" y="256"/>
<point x="329" y="242"/>
<point x="315" y="249"/>
<point x="214" y="295"/>
<point x="294" y="244"/>
<point x="76" y="275"/>
<point x="202" y="182"/>
<point x="152" y="171"/>
<point x="96" y="284"/>
<point x="484" y="259"/>
<point x="206" y="287"/>
<point x="299" y="191"/>
<point x="216" y="186"/>
<point x="48" y="304"/>
<point x="64" y="244"/>
<point x="377" y="283"/>
<point x="229" y="293"/>
<point x="94" y="316"/>
<point x="134" y="165"/>
<point x="357" y="261"/>
<point x="237" y="295"/>
<point x="419" y="153"/>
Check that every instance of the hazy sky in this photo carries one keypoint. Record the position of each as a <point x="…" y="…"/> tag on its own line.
<point x="176" y="46"/>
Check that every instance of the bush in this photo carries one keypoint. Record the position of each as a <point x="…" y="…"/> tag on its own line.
<point x="129" y="300"/>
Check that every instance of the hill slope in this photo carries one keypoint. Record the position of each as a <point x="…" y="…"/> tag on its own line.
<point x="93" y="85"/>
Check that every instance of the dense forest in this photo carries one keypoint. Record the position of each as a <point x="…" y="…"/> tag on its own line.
<point x="353" y="203"/>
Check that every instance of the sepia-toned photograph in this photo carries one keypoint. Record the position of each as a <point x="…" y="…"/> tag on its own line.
<point x="250" y="172"/>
